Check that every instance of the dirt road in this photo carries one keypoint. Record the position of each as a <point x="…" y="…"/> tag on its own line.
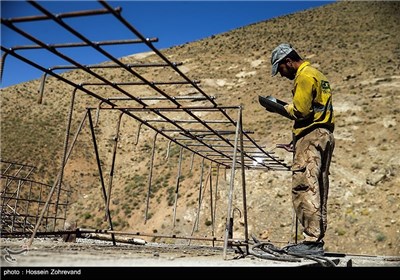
<point x="53" y="252"/>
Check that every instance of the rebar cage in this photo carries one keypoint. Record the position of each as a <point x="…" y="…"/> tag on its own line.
<point x="209" y="130"/>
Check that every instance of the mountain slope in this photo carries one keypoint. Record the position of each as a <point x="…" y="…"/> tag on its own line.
<point x="357" y="46"/>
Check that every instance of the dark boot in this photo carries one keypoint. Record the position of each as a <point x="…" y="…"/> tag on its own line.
<point x="306" y="248"/>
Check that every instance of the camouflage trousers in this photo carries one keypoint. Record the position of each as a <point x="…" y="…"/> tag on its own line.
<point x="310" y="181"/>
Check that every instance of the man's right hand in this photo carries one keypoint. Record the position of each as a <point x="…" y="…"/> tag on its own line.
<point x="288" y="147"/>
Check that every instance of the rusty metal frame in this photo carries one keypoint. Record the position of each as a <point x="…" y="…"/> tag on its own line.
<point x="20" y="194"/>
<point x="220" y="139"/>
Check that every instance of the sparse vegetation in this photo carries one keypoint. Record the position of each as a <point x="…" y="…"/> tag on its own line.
<point x="354" y="58"/>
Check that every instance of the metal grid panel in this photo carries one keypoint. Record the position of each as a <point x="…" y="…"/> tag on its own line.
<point x="22" y="199"/>
<point x="208" y="129"/>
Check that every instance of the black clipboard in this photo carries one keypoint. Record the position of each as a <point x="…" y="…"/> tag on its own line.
<point x="274" y="105"/>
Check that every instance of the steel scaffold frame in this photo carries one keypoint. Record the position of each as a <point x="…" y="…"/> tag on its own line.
<point x="221" y="140"/>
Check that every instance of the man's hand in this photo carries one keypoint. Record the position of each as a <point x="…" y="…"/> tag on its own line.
<point x="288" y="147"/>
<point x="274" y="105"/>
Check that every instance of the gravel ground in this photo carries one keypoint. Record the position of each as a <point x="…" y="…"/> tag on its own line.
<point x="54" y="252"/>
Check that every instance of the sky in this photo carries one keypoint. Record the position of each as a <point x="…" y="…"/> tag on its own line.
<point x="172" y="22"/>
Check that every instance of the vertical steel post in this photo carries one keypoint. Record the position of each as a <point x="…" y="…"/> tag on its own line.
<point x="114" y="155"/>
<point x="246" y="231"/>
<point x="191" y="163"/>
<point x="231" y="185"/>
<point x="69" y="153"/>
<point x="200" y="196"/>
<point x="150" y="178"/>
<point x="211" y="204"/>
<point x="63" y="160"/>
<point x="41" y="87"/>
<point x="216" y="193"/>
<point x="178" y="177"/>
<point x="96" y="150"/>
<point x="58" y="180"/>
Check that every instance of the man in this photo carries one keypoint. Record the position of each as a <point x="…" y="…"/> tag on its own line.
<point x="313" y="144"/>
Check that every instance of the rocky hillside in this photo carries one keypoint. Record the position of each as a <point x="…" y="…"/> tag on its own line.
<point x="356" y="44"/>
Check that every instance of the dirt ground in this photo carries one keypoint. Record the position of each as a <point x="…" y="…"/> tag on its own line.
<point x="54" y="252"/>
